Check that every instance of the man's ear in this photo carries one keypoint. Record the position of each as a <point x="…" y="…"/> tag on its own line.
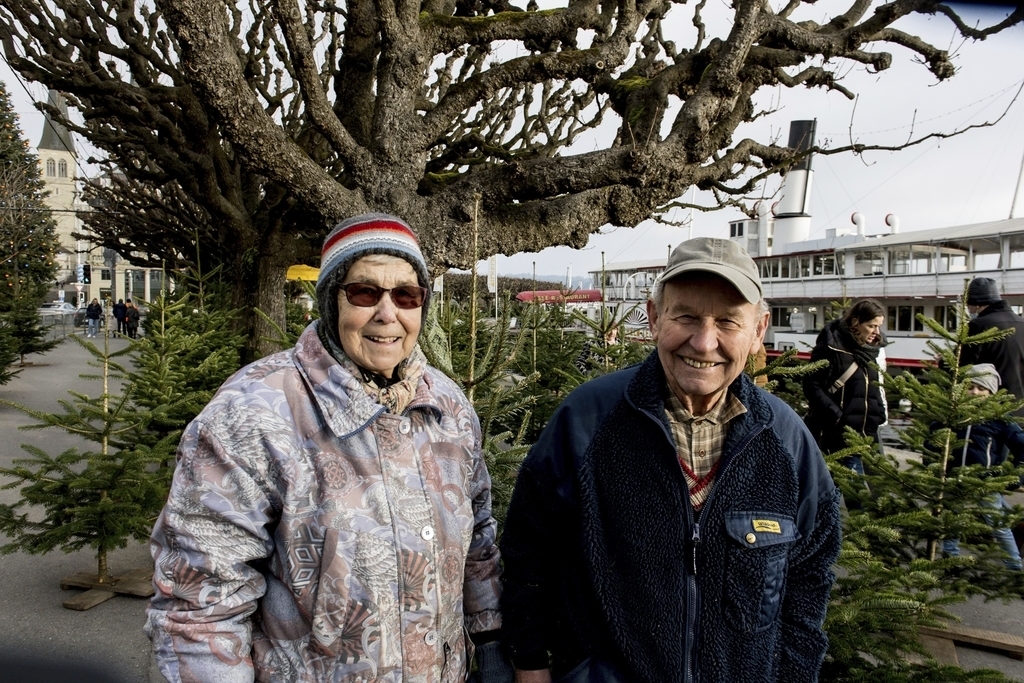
<point x="759" y="332"/>
<point x="652" y="319"/>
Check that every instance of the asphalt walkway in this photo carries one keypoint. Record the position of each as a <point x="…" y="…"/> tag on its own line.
<point x="109" y="637"/>
<point x="35" y="625"/>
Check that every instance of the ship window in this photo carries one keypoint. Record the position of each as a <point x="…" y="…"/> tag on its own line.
<point x="899" y="262"/>
<point x="805" y="266"/>
<point x="946" y="316"/>
<point x="904" y="319"/>
<point x="868" y="263"/>
<point x="825" y="264"/>
<point x="736" y="229"/>
<point x="910" y="262"/>
<point x="781" y="316"/>
<point x="986" y="261"/>
<point x="770" y="268"/>
<point x="952" y="263"/>
<point x="784" y="268"/>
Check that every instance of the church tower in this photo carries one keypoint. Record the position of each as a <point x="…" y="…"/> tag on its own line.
<point x="58" y="162"/>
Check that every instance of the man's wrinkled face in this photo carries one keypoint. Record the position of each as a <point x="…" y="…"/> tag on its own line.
<point x="704" y="332"/>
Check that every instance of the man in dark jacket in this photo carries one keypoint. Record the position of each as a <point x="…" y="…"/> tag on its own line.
<point x="674" y="522"/>
<point x="120" y="311"/>
<point x="984" y="302"/>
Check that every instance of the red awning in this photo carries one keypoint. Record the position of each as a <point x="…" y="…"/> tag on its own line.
<point x="890" y="362"/>
<point x="554" y="296"/>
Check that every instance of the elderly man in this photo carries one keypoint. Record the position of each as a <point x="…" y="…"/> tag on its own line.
<point x="674" y="522"/>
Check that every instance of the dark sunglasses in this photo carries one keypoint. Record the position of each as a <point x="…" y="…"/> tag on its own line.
<point x="365" y="295"/>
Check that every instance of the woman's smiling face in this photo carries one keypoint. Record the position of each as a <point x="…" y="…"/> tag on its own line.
<point x="379" y="337"/>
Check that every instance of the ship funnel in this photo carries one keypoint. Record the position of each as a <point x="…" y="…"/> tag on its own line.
<point x="858" y="219"/>
<point x="764" y="227"/>
<point x="793" y="213"/>
<point x="893" y="221"/>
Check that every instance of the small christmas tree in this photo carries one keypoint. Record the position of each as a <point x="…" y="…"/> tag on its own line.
<point x="28" y="333"/>
<point x="8" y="353"/>
<point x="28" y="239"/>
<point x="893" y="578"/>
<point x="96" y="498"/>
<point x="190" y="348"/>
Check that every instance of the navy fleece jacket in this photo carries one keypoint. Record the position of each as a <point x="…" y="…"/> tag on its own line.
<point x="604" y="558"/>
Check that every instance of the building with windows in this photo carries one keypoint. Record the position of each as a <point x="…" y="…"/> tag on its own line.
<point x="85" y="270"/>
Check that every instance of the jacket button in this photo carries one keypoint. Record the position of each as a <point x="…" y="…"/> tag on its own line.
<point x="430" y="638"/>
<point x="404" y="426"/>
<point x="751" y="539"/>
<point x="427" y="533"/>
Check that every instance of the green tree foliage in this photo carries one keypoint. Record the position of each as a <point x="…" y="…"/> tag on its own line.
<point x="479" y="355"/>
<point x="785" y="373"/>
<point x="8" y="354"/>
<point x="892" y="576"/>
<point x="189" y="349"/>
<point x="98" y="498"/>
<point x="27" y="332"/>
<point x="28" y="243"/>
<point x="457" y="286"/>
<point x="28" y="239"/>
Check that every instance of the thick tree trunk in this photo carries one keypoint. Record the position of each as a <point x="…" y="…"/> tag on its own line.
<point x="262" y="287"/>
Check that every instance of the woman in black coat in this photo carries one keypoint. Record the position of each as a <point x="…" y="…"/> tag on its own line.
<point x="841" y="395"/>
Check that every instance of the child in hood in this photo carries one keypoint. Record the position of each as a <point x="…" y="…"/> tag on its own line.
<point x="987" y="444"/>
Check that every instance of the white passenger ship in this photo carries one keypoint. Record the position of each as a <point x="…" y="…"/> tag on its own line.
<point x="907" y="272"/>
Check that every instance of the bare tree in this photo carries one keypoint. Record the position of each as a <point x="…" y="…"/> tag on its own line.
<point x="278" y="117"/>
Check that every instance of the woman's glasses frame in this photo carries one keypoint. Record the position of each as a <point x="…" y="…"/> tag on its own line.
<point x="367" y="295"/>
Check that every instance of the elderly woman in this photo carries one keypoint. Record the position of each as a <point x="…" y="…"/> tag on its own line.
<point x="330" y="516"/>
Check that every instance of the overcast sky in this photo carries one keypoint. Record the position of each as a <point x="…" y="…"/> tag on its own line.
<point x="967" y="179"/>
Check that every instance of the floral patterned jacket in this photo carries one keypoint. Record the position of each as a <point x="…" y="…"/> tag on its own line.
<point x="310" y="535"/>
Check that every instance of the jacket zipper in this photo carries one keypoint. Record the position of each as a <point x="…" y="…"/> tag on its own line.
<point x="693" y="594"/>
<point x="867" y="393"/>
<point x="692" y="600"/>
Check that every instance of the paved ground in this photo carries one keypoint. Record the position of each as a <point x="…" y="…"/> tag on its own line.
<point x="34" y="623"/>
<point x="110" y="636"/>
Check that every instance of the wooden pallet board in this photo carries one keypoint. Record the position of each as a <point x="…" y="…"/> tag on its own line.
<point x="941" y="649"/>
<point x="1006" y="643"/>
<point x="138" y="582"/>
<point x="88" y="599"/>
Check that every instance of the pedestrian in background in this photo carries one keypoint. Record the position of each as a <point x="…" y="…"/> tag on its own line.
<point x="120" y="311"/>
<point x="93" y="312"/>
<point x="847" y="392"/>
<point x="989" y="310"/>
<point x="131" y="320"/>
<point x="988" y="444"/>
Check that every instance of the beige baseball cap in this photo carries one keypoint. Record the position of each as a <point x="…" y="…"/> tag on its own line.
<point x="722" y="257"/>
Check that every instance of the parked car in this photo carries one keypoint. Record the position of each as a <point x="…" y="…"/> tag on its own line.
<point x="56" y="308"/>
<point x="80" y="318"/>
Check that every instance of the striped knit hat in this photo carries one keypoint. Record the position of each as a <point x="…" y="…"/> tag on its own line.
<point x="353" y="238"/>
